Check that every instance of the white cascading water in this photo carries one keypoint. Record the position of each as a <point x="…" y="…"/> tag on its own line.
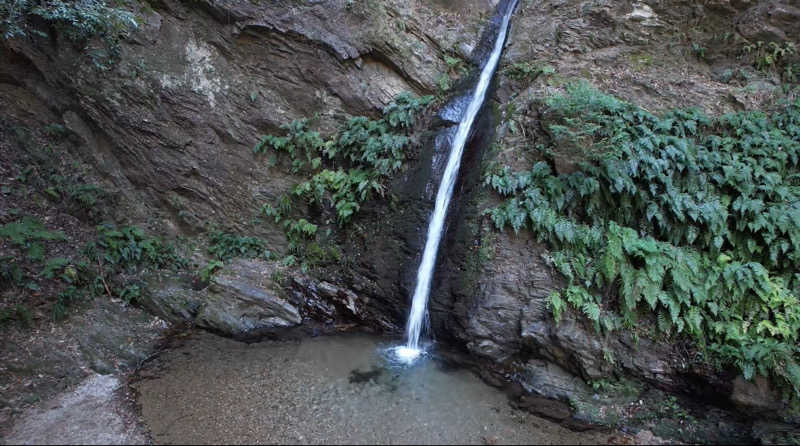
<point x="411" y="351"/>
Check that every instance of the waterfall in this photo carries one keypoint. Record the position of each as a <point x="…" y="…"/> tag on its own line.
<point x="419" y="303"/>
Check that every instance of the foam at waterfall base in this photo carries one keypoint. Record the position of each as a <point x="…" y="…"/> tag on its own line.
<point x="403" y="355"/>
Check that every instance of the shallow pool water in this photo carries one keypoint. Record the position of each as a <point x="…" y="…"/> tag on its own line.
<point x="337" y="389"/>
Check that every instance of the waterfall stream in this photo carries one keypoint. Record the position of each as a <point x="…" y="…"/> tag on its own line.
<point x="419" y="303"/>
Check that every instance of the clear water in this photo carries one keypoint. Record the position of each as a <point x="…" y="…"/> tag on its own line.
<point x="419" y="302"/>
<point x="326" y="390"/>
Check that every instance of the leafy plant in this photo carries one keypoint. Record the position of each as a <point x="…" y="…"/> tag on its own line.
<point x="456" y="65"/>
<point x="61" y="181"/>
<point x="699" y="51"/>
<point x="130" y="246"/>
<point x="87" y="198"/>
<point x="10" y="272"/>
<point x="18" y="312"/>
<point x="444" y="83"/>
<point x="66" y="299"/>
<point x="130" y="293"/>
<point x="344" y="170"/>
<point x="769" y="55"/>
<point x="225" y="246"/>
<point x="53" y="265"/>
<point x="692" y="220"/>
<point x="29" y="233"/>
<point x="528" y="71"/>
<point x="205" y="273"/>
<point x="78" y="20"/>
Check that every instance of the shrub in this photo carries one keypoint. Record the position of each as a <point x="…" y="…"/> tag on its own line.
<point x="765" y="56"/>
<point x="205" y="273"/>
<point x="79" y="20"/>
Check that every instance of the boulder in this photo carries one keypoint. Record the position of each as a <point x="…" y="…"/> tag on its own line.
<point x="241" y="301"/>
<point x="770" y="21"/>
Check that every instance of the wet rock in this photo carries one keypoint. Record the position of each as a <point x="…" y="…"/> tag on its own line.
<point x="306" y="294"/>
<point x="643" y="13"/>
<point x="644" y="436"/>
<point x="753" y="94"/>
<point x="118" y="338"/>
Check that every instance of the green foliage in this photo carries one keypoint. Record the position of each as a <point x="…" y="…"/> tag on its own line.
<point x="456" y="65"/>
<point x="205" y="273"/>
<point x="66" y="299"/>
<point x="444" y="83"/>
<point x="87" y="199"/>
<point x="225" y="246"/>
<point x="621" y="387"/>
<point x="53" y="266"/>
<point x="29" y="233"/>
<point x="528" y="71"/>
<point x="18" y="312"/>
<point x="61" y="181"/>
<point x="10" y="272"/>
<point x="699" y="51"/>
<point x="671" y="408"/>
<point x="130" y="293"/>
<point x="693" y="220"/>
<point x="765" y="56"/>
<point x="130" y="246"/>
<point x="78" y="20"/>
<point x="344" y="170"/>
<point x="303" y="146"/>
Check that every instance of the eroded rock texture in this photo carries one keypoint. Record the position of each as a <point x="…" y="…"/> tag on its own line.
<point x="171" y="127"/>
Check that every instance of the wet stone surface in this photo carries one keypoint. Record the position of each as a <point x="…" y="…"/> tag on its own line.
<point x="326" y="390"/>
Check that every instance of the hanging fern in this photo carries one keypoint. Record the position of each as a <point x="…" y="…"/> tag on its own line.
<point x="693" y="219"/>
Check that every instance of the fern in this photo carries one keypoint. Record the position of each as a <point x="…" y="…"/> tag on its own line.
<point x="343" y="171"/>
<point x="225" y="246"/>
<point x="692" y="219"/>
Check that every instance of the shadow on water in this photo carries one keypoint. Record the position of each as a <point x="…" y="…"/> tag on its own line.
<point x="359" y="377"/>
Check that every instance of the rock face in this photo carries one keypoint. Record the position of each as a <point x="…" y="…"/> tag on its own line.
<point x="171" y="127"/>
<point x="773" y="21"/>
<point x="493" y="287"/>
<point x="173" y="122"/>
